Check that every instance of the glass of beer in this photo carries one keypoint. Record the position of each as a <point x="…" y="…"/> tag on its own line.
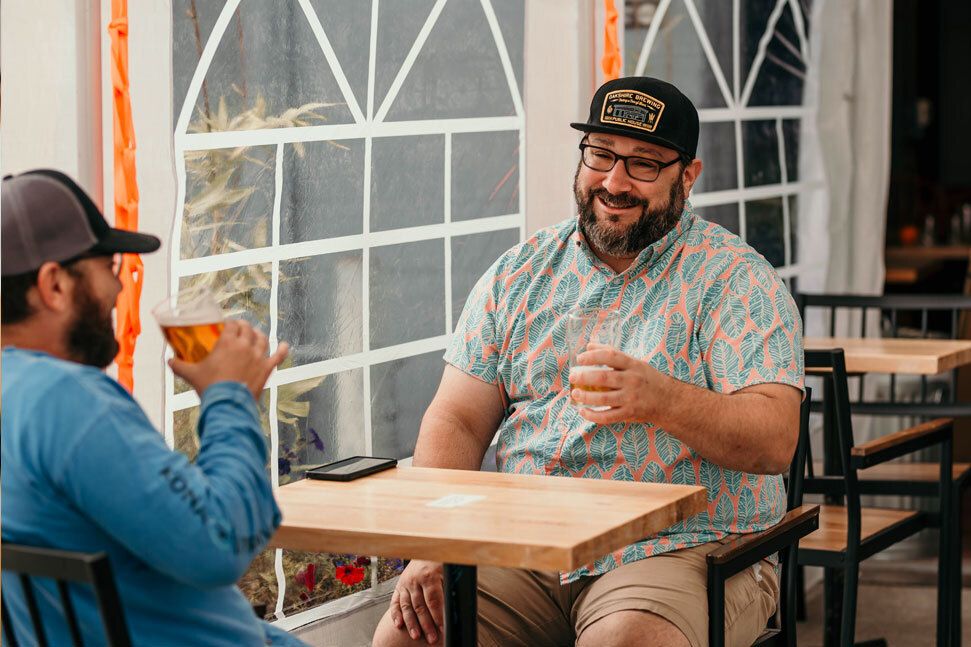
<point x="191" y="322"/>
<point x="586" y="325"/>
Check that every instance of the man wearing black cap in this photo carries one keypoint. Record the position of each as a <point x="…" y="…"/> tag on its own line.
<point x="83" y="468"/>
<point x="704" y="389"/>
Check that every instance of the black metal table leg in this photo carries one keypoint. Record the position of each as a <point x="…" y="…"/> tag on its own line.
<point x="461" y="615"/>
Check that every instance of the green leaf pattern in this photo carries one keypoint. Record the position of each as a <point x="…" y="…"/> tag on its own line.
<point x="703" y="306"/>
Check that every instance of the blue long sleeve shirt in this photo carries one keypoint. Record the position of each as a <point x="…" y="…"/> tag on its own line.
<point x="84" y="470"/>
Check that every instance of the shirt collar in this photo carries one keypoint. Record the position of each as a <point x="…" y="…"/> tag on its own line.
<point x="647" y="255"/>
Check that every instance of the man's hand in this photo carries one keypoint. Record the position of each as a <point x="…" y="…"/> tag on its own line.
<point x="635" y="387"/>
<point x="239" y="356"/>
<point x="418" y="601"/>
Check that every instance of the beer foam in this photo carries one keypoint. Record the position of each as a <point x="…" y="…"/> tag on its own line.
<point x="194" y="319"/>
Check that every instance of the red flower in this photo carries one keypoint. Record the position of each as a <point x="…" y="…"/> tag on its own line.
<point x="349" y="575"/>
<point x="307" y="576"/>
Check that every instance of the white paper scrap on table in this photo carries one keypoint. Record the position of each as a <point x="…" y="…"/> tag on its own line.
<point x="454" y="500"/>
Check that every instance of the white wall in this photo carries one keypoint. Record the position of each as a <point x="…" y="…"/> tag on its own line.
<point x="559" y="83"/>
<point x="50" y="57"/>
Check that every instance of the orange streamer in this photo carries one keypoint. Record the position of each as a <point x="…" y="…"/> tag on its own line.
<point x="610" y="63"/>
<point x="126" y="194"/>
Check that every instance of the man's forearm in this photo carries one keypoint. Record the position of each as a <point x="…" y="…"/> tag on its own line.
<point x="444" y="441"/>
<point x="745" y="431"/>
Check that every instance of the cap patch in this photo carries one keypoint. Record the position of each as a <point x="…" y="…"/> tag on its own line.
<point x="631" y="108"/>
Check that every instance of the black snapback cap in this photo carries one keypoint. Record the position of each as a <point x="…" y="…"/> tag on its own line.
<point x="46" y="217"/>
<point x="644" y="108"/>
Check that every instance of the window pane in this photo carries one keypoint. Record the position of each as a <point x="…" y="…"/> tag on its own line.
<point x="716" y="149"/>
<point x="347" y="25"/>
<point x="407" y="285"/>
<point x="268" y="72"/>
<point x="320" y="312"/>
<point x="399" y="22"/>
<point x="323" y="190"/>
<point x="458" y="72"/>
<point x="471" y="256"/>
<point x="241" y="292"/>
<point x="229" y="200"/>
<point x="760" y="144"/>
<point x="485" y="174"/>
<point x="320" y="420"/>
<point x="790" y="135"/>
<point x="725" y="215"/>
<point x="764" y="229"/>
<point x="315" y="578"/>
<point x="677" y="55"/>
<point x="400" y="392"/>
<point x="793" y="228"/>
<point x="407" y="181"/>
<point x="783" y="72"/>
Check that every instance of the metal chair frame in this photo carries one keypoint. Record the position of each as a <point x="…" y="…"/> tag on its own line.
<point x="65" y="567"/>
<point x="782" y="538"/>
<point x="840" y="483"/>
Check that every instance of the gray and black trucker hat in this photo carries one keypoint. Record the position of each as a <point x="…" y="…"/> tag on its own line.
<point x="46" y="217"/>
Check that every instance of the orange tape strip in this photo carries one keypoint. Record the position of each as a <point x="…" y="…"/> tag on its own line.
<point x="611" y="62"/>
<point x="126" y="194"/>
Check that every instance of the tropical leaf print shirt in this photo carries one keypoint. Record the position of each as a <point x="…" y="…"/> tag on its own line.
<point x="699" y="305"/>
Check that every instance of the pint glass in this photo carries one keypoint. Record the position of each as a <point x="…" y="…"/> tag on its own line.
<point x="586" y="325"/>
<point x="191" y="322"/>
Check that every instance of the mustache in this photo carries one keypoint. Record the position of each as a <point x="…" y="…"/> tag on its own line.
<point x="618" y="201"/>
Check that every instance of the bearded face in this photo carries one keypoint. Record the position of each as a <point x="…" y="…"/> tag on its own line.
<point x="91" y="335"/>
<point x="605" y="234"/>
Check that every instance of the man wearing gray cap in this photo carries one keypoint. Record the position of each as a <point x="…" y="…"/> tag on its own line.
<point x="83" y="468"/>
<point x="704" y="390"/>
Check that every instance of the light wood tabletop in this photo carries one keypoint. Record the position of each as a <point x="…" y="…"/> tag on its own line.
<point x="891" y="355"/>
<point x="479" y="518"/>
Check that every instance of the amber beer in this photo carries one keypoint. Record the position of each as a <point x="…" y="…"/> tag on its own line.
<point x="191" y="321"/>
<point x="192" y="342"/>
<point x="579" y="371"/>
<point x="584" y="326"/>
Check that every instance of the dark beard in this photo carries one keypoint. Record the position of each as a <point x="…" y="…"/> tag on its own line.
<point x="653" y="224"/>
<point x="91" y="338"/>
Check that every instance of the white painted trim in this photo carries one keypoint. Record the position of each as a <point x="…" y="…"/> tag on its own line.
<point x="372" y="58"/>
<point x="500" y="42"/>
<point x="746" y="194"/>
<point x="736" y="51"/>
<point x="754" y="113"/>
<point x="713" y="63"/>
<point x="259" y="255"/>
<point x="329" y="367"/>
<point x="335" y="607"/>
<point x="336" y="132"/>
<point x="202" y="69"/>
<point x="409" y="61"/>
<point x="448" y="238"/>
<point x="331" y="57"/>
<point x="760" y="53"/>
<point x="652" y="30"/>
<point x="787" y="253"/>
<point x="800" y="30"/>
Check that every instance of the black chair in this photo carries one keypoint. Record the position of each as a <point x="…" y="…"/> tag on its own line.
<point x="64" y="567"/>
<point x="850" y="533"/>
<point x="918" y="316"/>
<point x="735" y="557"/>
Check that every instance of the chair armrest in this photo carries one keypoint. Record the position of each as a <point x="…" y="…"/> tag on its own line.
<point x="900" y="442"/>
<point x="749" y="549"/>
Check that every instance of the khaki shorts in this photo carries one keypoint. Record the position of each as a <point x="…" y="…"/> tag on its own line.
<point x="530" y="608"/>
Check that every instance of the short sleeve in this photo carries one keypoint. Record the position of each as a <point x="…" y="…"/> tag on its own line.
<point x="750" y="331"/>
<point x="473" y="347"/>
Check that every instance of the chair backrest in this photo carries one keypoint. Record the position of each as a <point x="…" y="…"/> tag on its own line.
<point x="64" y="567"/>
<point x="899" y="315"/>
<point x="839" y="478"/>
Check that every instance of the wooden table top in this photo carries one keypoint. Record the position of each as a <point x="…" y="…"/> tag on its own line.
<point x="523" y="521"/>
<point x="914" y="356"/>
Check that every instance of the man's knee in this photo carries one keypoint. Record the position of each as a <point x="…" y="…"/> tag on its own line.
<point x="632" y="628"/>
<point x="387" y="635"/>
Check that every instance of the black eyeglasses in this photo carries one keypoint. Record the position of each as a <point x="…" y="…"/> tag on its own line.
<point x="602" y="160"/>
